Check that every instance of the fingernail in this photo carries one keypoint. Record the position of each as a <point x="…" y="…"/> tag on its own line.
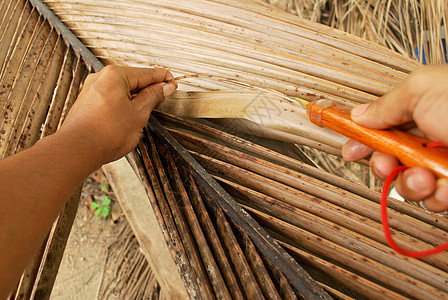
<point x="415" y="182"/>
<point x="378" y="172"/>
<point x="359" y="110"/>
<point x="442" y="190"/>
<point x="168" y="89"/>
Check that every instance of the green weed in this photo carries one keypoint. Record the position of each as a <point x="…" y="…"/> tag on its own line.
<point x="103" y="208"/>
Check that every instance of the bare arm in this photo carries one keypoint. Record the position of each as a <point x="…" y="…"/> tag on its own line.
<point x="422" y="98"/>
<point x="102" y="126"/>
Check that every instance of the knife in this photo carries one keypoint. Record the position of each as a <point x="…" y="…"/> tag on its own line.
<point x="411" y="150"/>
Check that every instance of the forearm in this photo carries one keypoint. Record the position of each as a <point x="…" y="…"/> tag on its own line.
<point x="104" y="124"/>
<point x="34" y="186"/>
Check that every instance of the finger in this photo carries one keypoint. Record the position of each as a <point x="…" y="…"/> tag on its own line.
<point x="139" y="78"/>
<point x="416" y="131"/>
<point x="438" y="202"/>
<point x="420" y="98"/>
<point x="136" y="78"/>
<point x="394" y="108"/>
<point x="416" y="184"/>
<point x="148" y="98"/>
<point x="353" y="151"/>
<point x="382" y="164"/>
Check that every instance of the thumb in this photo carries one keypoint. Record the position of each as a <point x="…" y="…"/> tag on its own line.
<point x="151" y="96"/>
<point x="394" y="108"/>
<point x="422" y="98"/>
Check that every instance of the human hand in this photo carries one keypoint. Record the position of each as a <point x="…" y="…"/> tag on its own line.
<point x="422" y="98"/>
<point x="113" y="108"/>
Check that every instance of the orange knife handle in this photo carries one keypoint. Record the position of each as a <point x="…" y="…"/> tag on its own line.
<point x="411" y="150"/>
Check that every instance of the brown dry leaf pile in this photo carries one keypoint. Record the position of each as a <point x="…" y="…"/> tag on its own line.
<point x="401" y="25"/>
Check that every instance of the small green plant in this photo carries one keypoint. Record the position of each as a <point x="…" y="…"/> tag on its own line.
<point x="103" y="208"/>
<point x="103" y="186"/>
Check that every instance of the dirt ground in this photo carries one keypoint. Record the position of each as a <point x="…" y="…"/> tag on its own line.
<point x="84" y="262"/>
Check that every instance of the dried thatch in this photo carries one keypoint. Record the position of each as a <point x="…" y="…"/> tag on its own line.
<point x="329" y="225"/>
<point x="403" y="26"/>
<point x="40" y="76"/>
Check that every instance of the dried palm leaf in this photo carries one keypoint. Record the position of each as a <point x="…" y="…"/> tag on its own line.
<point x="264" y="108"/>
<point x="406" y="26"/>
<point x="39" y="79"/>
<point x="251" y="44"/>
<point x="258" y="58"/>
<point x="126" y="271"/>
<point x="298" y="209"/>
<point x="323" y="221"/>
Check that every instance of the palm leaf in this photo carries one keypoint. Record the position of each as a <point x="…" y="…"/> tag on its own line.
<point x="329" y="225"/>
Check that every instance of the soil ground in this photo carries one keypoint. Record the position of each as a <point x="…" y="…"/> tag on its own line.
<point x="84" y="262"/>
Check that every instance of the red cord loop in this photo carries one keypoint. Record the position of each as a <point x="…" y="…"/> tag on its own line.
<point x="385" y="220"/>
<point x="436" y="145"/>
